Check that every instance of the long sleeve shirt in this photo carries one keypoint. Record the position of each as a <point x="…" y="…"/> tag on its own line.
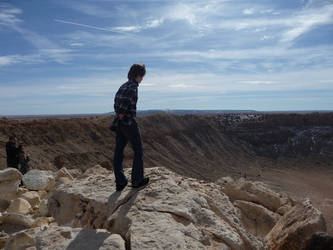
<point x="12" y="154"/>
<point x="125" y="101"/>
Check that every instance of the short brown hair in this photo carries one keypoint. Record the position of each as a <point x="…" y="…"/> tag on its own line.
<point x="137" y="69"/>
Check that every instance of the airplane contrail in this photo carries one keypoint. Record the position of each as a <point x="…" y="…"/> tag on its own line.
<point x="91" y="26"/>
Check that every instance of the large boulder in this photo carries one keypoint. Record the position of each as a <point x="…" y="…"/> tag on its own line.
<point x="20" y="206"/>
<point x="171" y="212"/>
<point x="39" y="180"/>
<point x="257" y="192"/>
<point x="10" y="179"/>
<point x="32" y="197"/>
<point x="56" y="237"/>
<point x="296" y="227"/>
<point x="20" y="241"/>
<point x="16" y="219"/>
<point x="256" y="218"/>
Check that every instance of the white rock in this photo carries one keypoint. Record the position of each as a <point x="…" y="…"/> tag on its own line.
<point x="43" y="208"/>
<point x="295" y="227"/>
<point x="10" y="179"/>
<point x="256" y="192"/>
<point x="169" y="213"/>
<point x="20" y="206"/>
<point x="10" y="174"/>
<point x="256" y="218"/>
<point x="38" y="180"/>
<point x="32" y="197"/>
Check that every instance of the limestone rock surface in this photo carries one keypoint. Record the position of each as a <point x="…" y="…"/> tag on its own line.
<point x="9" y="183"/>
<point x="56" y="238"/>
<point x="172" y="212"/>
<point x="296" y="227"/>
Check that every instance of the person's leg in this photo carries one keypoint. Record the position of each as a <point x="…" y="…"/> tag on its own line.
<point x="23" y="169"/>
<point x="121" y="142"/>
<point x="136" y="143"/>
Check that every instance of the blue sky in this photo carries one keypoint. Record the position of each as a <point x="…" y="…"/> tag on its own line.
<point x="64" y="56"/>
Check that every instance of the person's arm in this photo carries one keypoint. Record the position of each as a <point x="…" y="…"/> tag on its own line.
<point x="19" y="149"/>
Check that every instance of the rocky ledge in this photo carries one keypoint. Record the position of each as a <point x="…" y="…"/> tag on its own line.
<point x="84" y="211"/>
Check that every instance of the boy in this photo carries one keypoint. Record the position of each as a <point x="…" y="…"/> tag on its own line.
<point x="127" y="129"/>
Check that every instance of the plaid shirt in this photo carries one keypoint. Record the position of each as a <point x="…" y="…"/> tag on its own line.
<point x="125" y="101"/>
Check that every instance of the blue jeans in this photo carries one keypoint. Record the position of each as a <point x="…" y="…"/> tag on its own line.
<point x="125" y="133"/>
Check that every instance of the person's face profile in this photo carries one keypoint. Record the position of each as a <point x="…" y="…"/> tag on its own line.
<point x="139" y="79"/>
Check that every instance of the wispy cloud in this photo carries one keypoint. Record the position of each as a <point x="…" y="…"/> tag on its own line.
<point x="8" y="15"/>
<point x="47" y="49"/>
<point x="307" y="20"/>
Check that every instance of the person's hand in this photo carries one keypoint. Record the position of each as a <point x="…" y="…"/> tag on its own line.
<point x="121" y="116"/>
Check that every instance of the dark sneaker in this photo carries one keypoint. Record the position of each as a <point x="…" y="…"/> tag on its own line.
<point x="142" y="183"/>
<point x="121" y="187"/>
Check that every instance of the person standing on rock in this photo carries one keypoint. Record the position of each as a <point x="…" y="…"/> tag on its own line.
<point x="127" y="129"/>
<point x="12" y="152"/>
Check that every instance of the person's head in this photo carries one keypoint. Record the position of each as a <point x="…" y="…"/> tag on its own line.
<point x="12" y="138"/>
<point x="137" y="72"/>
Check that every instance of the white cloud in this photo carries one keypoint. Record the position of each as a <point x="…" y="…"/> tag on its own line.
<point x="7" y="60"/>
<point x="8" y="15"/>
<point x="171" y="81"/>
<point x="127" y="28"/>
<point x="154" y="23"/>
<point x="256" y="82"/>
<point x="75" y="44"/>
<point x="266" y="37"/>
<point x="248" y="11"/>
<point x="307" y="20"/>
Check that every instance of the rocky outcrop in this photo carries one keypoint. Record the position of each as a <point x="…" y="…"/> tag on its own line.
<point x="295" y="227"/>
<point x="171" y="212"/>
